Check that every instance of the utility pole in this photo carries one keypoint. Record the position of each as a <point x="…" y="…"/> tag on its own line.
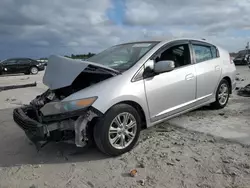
<point x="247" y="48"/>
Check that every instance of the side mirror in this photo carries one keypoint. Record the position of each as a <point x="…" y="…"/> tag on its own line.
<point x="163" y="66"/>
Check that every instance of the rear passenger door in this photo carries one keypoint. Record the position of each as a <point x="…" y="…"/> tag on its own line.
<point x="23" y="65"/>
<point x="208" y="70"/>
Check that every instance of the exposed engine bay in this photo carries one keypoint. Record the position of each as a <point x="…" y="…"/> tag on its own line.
<point x="44" y="121"/>
<point x="85" y="79"/>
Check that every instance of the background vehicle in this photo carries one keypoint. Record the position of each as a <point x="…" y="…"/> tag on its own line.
<point x="43" y="61"/>
<point x="20" y="65"/>
<point x="116" y="93"/>
<point x="242" y="59"/>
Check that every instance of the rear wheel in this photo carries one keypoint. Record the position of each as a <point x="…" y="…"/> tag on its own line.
<point x="33" y="70"/>
<point x="222" y="95"/>
<point x="118" y="131"/>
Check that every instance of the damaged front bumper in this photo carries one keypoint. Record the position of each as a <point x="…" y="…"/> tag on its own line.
<point x="38" y="128"/>
<point x="34" y="130"/>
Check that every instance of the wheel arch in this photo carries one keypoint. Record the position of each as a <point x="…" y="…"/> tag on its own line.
<point x="228" y="79"/>
<point x="33" y="66"/>
<point x="139" y="109"/>
<point x="132" y="103"/>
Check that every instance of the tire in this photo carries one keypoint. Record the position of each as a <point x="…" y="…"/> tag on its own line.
<point x="219" y="103"/>
<point x="33" y="70"/>
<point x="103" y="137"/>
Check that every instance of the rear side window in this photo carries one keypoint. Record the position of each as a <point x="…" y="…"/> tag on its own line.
<point x="202" y="53"/>
<point x="23" y="61"/>
<point x="10" y="61"/>
<point x="215" y="52"/>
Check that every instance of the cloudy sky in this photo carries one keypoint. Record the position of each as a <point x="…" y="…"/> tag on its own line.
<point x="36" y="28"/>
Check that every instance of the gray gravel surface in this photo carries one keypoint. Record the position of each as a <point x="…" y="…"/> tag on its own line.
<point x="177" y="154"/>
<point x="165" y="156"/>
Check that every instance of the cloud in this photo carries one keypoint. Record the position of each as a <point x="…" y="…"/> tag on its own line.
<point x="200" y="13"/>
<point x="40" y="28"/>
<point x="213" y="19"/>
<point x="59" y="25"/>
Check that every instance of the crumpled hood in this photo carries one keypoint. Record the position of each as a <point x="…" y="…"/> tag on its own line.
<point x="61" y="71"/>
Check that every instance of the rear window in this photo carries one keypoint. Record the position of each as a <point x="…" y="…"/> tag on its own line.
<point x="215" y="52"/>
<point x="204" y="53"/>
<point x="9" y="61"/>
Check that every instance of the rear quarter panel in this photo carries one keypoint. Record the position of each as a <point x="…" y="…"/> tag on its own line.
<point x="228" y="67"/>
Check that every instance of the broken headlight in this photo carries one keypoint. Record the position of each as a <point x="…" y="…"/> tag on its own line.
<point x="53" y="108"/>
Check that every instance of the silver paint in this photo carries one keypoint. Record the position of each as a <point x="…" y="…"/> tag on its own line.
<point x="163" y="96"/>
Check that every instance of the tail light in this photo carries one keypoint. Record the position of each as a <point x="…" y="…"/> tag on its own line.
<point x="231" y="59"/>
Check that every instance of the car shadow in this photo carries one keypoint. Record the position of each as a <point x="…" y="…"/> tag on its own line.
<point x="18" y="74"/>
<point x="8" y="75"/>
<point x="17" y="150"/>
<point x="204" y="108"/>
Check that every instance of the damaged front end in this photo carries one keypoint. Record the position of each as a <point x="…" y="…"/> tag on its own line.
<point x="50" y="118"/>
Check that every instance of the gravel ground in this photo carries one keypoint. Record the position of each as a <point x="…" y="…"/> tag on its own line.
<point x="166" y="155"/>
<point x="17" y="97"/>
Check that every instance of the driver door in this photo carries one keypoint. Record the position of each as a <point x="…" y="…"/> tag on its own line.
<point x="171" y="92"/>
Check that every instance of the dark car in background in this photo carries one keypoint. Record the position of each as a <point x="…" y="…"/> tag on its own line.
<point x="20" y="65"/>
<point x="242" y="58"/>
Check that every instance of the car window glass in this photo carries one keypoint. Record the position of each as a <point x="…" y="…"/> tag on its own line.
<point x="11" y="61"/>
<point x="214" y="52"/>
<point x="202" y="53"/>
<point x="122" y="57"/>
<point x="23" y="61"/>
<point x="179" y="54"/>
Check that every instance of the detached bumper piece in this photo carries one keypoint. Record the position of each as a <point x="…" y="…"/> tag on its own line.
<point x="35" y="131"/>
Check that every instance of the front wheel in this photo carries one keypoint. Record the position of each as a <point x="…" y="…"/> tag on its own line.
<point x="222" y="95"/>
<point x="33" y="70"/>
<point x="118" y="131"/>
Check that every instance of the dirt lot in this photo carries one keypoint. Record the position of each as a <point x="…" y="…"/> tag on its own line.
<point x="175" y="154"/>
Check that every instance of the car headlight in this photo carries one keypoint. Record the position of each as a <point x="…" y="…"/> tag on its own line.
<point x="53" y="108"/>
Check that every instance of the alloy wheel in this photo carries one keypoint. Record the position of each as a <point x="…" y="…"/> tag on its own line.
<point x="223" y="94"/>
<point x="122" y="130"/>
<point x="34" y="70"/>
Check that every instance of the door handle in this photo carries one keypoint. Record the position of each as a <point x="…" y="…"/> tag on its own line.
<point x="189" y="77"/>
<point x="217" y="68"/>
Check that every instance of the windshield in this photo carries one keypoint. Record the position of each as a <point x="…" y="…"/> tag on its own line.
<point x="124" y="56"/>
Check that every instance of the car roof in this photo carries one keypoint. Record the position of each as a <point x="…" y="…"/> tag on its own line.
<point x="167" y="40"/>
<point x="21" y="58"/>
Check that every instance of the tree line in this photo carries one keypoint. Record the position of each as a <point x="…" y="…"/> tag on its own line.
<point x="81" y="56"/>
<point x="75" y="56"/>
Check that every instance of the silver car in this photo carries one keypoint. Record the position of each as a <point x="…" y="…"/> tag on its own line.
<point x="109" y="98"/>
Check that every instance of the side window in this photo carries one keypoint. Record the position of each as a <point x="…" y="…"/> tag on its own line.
<point x="202" y="53"/>
<point x="215" y="53"/>
<point x="180" y="54"/>
<point x="11" y="61"/>
<point x="23" y="61"/>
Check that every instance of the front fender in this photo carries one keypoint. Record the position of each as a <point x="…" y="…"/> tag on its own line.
<point x="113" y="91"/>
<point x="133" y="92"/>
